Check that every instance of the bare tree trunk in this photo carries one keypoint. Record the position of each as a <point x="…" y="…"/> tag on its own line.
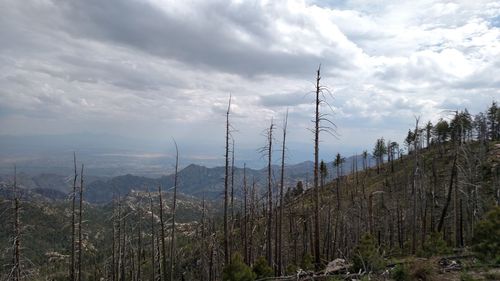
<point x="172" y="243"/>
<point x="269" y="251"/>
<point x="80" y="214"/>
<point x="279" y="246"/>
<point x="120" y="260"/>
<point x="415" y="185"/>
<point x="73" y="227"/>
<point x="317" y="263"/>
<point x="226" y="178"/>
<point x="162" y="236"/>
<point x="153" y="262"/>
<point x="203" y="271"/>
<point x="253" y="206"/>
<point x="448" y="197"/>
<point x="245" y="214"/>
<point x="113" y="243"/>
<point x="139" y="247"/>
<point x="16" y="270"/>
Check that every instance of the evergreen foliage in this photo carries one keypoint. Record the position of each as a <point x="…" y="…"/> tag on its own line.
<point x="487" y="237"/>
<point x="366" y="255"/>
<point x="261" y="269"/>
<point x="237" y="270"/>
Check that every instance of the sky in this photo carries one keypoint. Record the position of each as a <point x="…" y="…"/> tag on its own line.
<point x="133" y="74"/>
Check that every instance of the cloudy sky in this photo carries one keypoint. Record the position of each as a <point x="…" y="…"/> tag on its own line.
<point x="150" y="70"/>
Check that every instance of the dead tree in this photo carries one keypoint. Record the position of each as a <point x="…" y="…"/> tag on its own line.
<point x="267" y="150"/>
<point x="203" y="269"/>
<point x="16" y="266"/>
<point x="113" y="238"/>
<point x="174" y="204"/>
<point x="226" y="179"/>
<point x="162" y="236"/>
<point x="153" y="260"/>
<point x="448" y="197"/>
<point x="245" y="214"/>
<point x="80" y="227"/>
<point x="73" y="225"/>
<point x="279" y="245"/>
<point x="231" y="231"/>
<point x="139" y="244"/>
<point x="316" y="174"/>
<point x="415" y="183"/>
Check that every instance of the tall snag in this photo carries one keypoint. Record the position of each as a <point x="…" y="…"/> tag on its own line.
<point x="73" y="228"/>
<point x="153" y="262"/>
<point x="162" y="236"/>
<point x="279" y="246"/>
<point x="174" y="204"/>
<point x="80" y="227"/>
<point x="16" y="268"/>
<point x="269" y="233"/>
<point x="318" y="127"/>
<point x="226" y="186"/>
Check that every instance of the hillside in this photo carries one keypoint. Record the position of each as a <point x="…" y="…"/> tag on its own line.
<point x="370" y="201"/>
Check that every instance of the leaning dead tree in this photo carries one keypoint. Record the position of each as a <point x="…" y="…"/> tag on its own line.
<point x="174" y="204"/>
<point x="226" y="186"/>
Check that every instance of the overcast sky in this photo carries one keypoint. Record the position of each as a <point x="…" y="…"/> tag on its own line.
<point x="156" y="69"/>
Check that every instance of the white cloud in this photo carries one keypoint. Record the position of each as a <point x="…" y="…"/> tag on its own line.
<point x="159" y="68"/>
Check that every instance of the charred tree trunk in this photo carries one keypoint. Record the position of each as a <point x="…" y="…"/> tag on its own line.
<point x="317" y="259"/>
<point x="162" y="236"/>
<point x="226" y="178"/>
<point x="80" y="214"/>
<point x="269" y="248"/>
<point x="174" y="204"/>
<point x="245" y="215"/>
<point x="153" y="260"/>
<point x="73" y="225"/>
<point x="16" y="270"/>
<point x="448" y="197"/>
<point x="279" y="246"/>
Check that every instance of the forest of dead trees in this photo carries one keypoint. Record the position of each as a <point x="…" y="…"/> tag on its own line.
<point x="421" y="197"/>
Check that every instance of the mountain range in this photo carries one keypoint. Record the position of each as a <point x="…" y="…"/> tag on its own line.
<point x="194" y="180"/>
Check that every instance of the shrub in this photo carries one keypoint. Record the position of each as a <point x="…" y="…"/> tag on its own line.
<point x="262" y="269"/>
<point x="487" y="237"/>
<point x="435" y="245"/>
<point x="237" y="270"/>
<point x="366" y="255"/>
<point x="291" y="269"/>
<point x="422" y="271"/>
<point x="400" y="273"/>
<point x="307" y="262"/>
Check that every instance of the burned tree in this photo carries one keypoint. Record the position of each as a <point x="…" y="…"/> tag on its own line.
<point x="73" y="225"/>
<point x="319" y="118"/>
<point x="80" y="213"/>
<point x="174" y="204"/>
<point x="226" y="187"/>
<point x="16" y="261"/>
